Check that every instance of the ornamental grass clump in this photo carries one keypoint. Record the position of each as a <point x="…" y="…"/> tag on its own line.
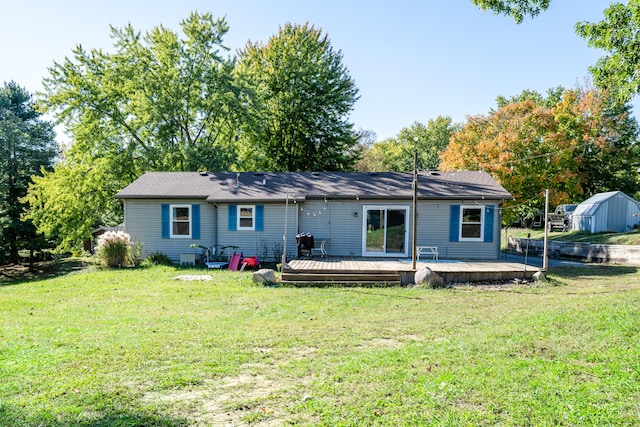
<point x="114" y="249"/>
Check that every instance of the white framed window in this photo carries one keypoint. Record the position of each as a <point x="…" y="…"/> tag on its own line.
<point x="472" y="223"/>
<point x="246" y="217"/>
<point x="181" y="219"/>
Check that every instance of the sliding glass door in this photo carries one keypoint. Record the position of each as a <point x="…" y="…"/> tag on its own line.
<point x="384" y="231"/>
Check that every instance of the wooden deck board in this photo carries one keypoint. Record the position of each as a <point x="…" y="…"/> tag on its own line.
<point x="365" y="264"/>
<point x="459" y="271"/>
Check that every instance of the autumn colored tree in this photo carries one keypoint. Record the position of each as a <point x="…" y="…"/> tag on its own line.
<point x="607" y="152"/>
<point x="520" y="146"/>
<point x="528" y="147"/>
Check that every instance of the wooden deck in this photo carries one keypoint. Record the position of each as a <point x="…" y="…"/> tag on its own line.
<point x="393" y="271"/>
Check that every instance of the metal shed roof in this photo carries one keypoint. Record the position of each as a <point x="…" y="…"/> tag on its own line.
<point x="590" y="206"/>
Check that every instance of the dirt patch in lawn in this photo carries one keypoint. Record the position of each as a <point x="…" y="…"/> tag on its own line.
<point x="255" y="397"/>
<point x="227" y="401"/>
<point x="194" y="277"/>
<point x="17" y="273"/>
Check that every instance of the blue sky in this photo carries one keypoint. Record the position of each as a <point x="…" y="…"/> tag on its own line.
<point x="411" y="60"/>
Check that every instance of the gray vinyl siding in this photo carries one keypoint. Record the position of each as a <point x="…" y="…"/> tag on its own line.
<point x="261" y="243"/>
<point x="143" y="222"/>
<point x="433" y="230"/>
<point x="334" y="220"/>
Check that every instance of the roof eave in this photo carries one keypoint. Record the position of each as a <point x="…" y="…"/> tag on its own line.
<point x="159" y="196"/>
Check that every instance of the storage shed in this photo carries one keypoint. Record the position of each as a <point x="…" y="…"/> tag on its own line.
<point x="612" y="211"/>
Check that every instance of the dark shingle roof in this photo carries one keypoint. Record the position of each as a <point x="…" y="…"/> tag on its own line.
<point x="273" y="186"/>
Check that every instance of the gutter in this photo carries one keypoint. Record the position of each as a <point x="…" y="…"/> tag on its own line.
<point x="215" y="229"/>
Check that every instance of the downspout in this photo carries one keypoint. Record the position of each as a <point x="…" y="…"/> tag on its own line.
<point x="297" y="220"/>
<point x="500" y="204"/>
<point x="215" y="230"/>
<point x="284" y="236"/>
<point x="124" y="215"/>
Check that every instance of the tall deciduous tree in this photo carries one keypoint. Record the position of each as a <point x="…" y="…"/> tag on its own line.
<point x="528" y="147"/>
<point x="26" y="146"/>
<point x="305" y="96"/>
<point x="382" y="156"/>
<point x="619" y="35"/>
<point x="72" y="200"/>
<point x="516" y="9"/>
<point x="396" y="154"/>
<point x="554" y="95"/>
<point x="161" y="101"/>
<point x="427" y="140"/>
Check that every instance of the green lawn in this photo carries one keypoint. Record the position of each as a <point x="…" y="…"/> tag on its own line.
<point x="137" y="347"/>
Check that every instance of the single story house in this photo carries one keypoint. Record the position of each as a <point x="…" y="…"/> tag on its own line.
<point x="357" y="213"/>
<point x="612" y="211"/>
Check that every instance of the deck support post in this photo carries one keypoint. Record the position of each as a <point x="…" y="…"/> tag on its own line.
<point x="545" y="258"/>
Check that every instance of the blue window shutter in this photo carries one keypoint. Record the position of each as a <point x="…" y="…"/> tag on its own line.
<point x="166" y="221"/>
<point x="259" y="218"/>
<point x="454" y="223"/>
<point x="233" y="217"/>
<point x="489" y="214"/>
<point x="195" y="221"/>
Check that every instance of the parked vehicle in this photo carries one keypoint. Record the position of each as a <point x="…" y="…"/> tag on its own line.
<point x="560" y="218"/>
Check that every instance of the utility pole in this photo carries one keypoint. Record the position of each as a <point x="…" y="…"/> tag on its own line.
<point x="284" y="236"/>
<point x="415" y="209"/>
<point x="545" y="258"/>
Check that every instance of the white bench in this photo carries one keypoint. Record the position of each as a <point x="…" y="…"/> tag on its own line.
<point x="427" y="250"/>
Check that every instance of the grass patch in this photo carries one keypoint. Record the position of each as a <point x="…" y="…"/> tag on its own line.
<point x="136" y="347"/>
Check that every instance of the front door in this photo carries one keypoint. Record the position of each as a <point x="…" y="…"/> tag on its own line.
<point x="384" y="231"/>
